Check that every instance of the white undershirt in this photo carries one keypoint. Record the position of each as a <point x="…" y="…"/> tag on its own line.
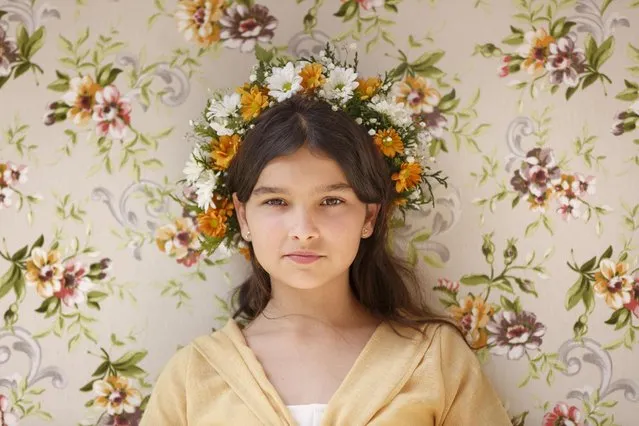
<point x="307" y="414"/>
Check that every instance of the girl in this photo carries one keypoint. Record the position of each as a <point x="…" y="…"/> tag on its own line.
<point x="337" y="330"/>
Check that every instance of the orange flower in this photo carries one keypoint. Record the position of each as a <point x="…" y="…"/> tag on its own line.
<point x="389" y="142"/>
<point x="223" y="150"/>
<point x="408" y="177"/>
<point x="244" y="251"/>
<point x="400" y="202"/>
<point x="473" y="315"/>
<point x="368" y="87"/>
<point x="224" y="205"/>
<point x="417" y="93"/>
<point x="312" y="77"/>
<point x="212" y="223"/>
<point x="253" y="100"/>
<point x="536" y="49"/>
<point x="198" y="20"/>
<point x="81" y="99"/>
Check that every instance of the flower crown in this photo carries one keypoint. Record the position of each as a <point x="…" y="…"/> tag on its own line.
<point x="372" y="102"/>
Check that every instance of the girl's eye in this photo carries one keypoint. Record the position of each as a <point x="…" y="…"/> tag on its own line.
<point x="333" y="202"/>
<point x="275" y="202"/>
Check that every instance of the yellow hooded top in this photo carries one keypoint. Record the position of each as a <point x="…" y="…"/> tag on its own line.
<point x="424" y="380"/>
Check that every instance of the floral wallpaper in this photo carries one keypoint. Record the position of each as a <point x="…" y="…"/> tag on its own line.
<point x="532" y="107"/>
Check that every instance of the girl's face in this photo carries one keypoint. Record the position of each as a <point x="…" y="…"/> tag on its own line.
<point x="305" y="221"/>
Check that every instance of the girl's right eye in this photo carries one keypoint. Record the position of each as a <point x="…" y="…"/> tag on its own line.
<point x="275" y="202"/>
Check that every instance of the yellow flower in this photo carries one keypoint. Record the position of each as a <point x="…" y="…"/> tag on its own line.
<point x="536" y="50"/>
<point x="539" y="204"/>
<point x="175" y="239"/>
<point x="408" y="177"/>
<point x="45" y="271"/>
<point x="312" y="77"/>
<point x="213" y="222"/>
<point x="473" y="315"/>
<point x="368" y="87"/>
<point x="198" y="20"/>
<point x="81" y="98"/>
<point x="418" y="94"/>
<point x="244" y="251"/>
<point x="115" y="394"/>
<point x="223" y="150"/>
<point x="253" y="100"/>
<point x="613" y="283"/>
<point x="389" y="142"/>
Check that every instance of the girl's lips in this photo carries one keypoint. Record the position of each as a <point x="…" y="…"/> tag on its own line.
<point x="303" y="259"/>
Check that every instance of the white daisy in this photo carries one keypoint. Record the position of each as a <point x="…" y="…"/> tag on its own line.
<point x="192" y="170"/>
<point x="224" y="108"/>
<point x="219" y="125"/>
<point x="204" y="189"/>
<point x="340" y="84"/>
<point x="284" y="82"/>
<point x="398" y="114"/>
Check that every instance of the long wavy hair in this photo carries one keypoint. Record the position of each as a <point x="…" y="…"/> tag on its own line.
<point x="384" y="284"/>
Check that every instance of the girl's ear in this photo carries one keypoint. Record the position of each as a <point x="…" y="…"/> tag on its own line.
<point x="240" y="210"/>
<point x="372" y="210"/>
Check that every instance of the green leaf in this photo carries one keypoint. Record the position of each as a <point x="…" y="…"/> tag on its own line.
<point x="35" y="43"/>
<point x="428" y="59"/>
<point x="606" y="255"/>
<point x="504" y="284"/>
<point x="129" y="359"/>
<point x="262" y="54"/>
<point x="23" y="39"/>
<point x="132" y="371"/>
<point x="630" y="94"/>
<point x="604" y="52"/>
<point x="575" y="293"/>
<point x="89" y="386"/>
<point x="589" y="80"/>
<point x="507" y="304"/>
<point x="102" y="368"/>
<point x="20" y="254"/>
<point x="7" y="280"/>
<point x="591" y="48"/>
<point x="527" y="286"/>
<point x="38" y="243"/>
<point x="428" y="71"/>
<point x="21" y="69"/>
<point x="19" y="286"/>
<point x="616" y="315"/>
<point x="475" y="279"/>
<point x="514" y="39"/>
<point x="588" y="297"/>
<point x="571" y="91"/>
<point x="113" y="74"/>
<point x="96" y="296"/>
<point x="587" y="267"/>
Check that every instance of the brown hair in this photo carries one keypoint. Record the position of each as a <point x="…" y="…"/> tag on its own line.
<point x="386" y="286"/>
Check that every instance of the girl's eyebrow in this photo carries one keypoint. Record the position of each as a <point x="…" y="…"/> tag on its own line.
<point x="263" y="190"/>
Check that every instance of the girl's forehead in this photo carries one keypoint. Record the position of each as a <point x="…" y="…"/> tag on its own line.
<point x="303" y="165"/>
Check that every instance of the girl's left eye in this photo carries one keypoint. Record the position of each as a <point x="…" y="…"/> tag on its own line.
<point x="332" y="202"/>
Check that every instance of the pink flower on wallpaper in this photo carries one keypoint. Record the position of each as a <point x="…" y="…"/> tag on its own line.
<point x="566" y="62"/>
<point x="7" y="416"/>
<point x="448" y="284"/>
<point x="112" y="112"/>
<point x="75" y="284"/>
<point x="583" y="185"/>
<point x="5" y="197"/>
<point x="563" y="415"/>
<point x="14" y="174"/>
<point x="370" y="4"/>
<point x="569" y="208"/>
